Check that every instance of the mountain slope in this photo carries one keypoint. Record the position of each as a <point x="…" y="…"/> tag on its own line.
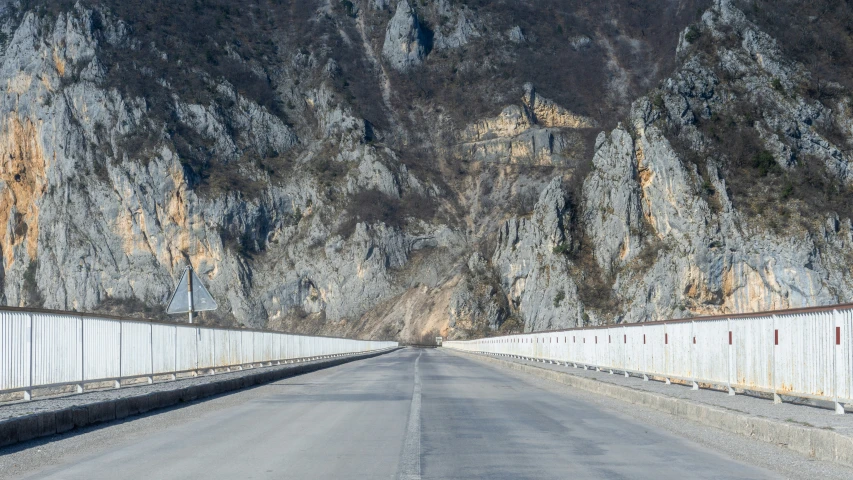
<point x="401" y="170"/>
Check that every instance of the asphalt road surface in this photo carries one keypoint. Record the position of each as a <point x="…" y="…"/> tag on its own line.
<point x="410" y="414"/>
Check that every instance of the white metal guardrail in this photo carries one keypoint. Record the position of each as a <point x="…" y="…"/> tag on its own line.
<point x="801" y="352"/>
<point x="45" y="349"/>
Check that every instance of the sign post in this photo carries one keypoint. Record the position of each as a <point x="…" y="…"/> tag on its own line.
<point x="197" y="299"/>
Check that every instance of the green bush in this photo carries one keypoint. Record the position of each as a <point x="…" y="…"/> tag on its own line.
<point x="692" y="34"/>
<point x="562" y="248"/>
<point x="777" y="85"/>
<point x="559" y="297"/>
<point x="787" y="190"/>
<point x="765" y="163"/>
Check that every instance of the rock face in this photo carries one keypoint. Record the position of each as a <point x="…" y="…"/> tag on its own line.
<point x="710" y="257"/>
<point x="530" y="261"/>
<point x="477" y="304"/>
<point x="612" y="212"/>
<point x="87" y="227"/>
<point x="342" y="170"/>
<point x="404" y="45"/>
<point x="537" y="132"/>
<point x="515" y="34"/>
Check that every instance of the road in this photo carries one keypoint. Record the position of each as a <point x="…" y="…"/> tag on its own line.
<point x="410" y="414"/>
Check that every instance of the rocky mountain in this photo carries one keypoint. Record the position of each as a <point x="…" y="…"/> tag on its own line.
<point x="401" y="170"/>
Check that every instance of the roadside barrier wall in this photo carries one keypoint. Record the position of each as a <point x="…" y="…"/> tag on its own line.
<point x="44" y="349"/>
<point x="802" y="352"/>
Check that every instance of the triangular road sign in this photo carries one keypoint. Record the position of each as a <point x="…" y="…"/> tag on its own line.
<point x="202" y="300"/>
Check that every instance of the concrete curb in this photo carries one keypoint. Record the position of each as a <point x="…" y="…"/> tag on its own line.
<point x="814" y="442"/>
<point x="28" y="427"/>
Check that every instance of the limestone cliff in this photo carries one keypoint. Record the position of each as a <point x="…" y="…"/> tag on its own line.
<point x="405" y="170"/>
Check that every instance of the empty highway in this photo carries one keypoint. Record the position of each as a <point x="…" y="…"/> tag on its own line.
<point x="413" y="413"/>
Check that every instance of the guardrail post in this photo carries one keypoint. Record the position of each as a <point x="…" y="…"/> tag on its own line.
<point x="774" y="333"/>
<point x="213" y="363"/>
<point x="175" y="369"/>
<point x="625" y="350"/>
<point x="729" y="362"/>
<point x="645" y="376"/>
<point x="80" y="344"/>
<point x="197" y="341"/>
<point x="120" y="329"/>
<point x="837" y="351"/>
<point x="229" y="354"/>
<point x="242" y="353"/>
<point x="666" y="356"/>
<point x="252" y="363"/>
<point x="151" y="351"/>
<point x="28" y="393"/>
<point x="692" y="346"/>
<point x="610" y="351"/>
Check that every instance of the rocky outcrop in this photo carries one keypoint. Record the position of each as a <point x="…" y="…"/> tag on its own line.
<point x="459" y="28"/>
<point x="531" y="264"/>
<point x="515" y="35"/>
<point x="708" y="257"/>
<point x="477" y="303"/>
<point x="545" y="112"/>
<point x="405" y="42"/>
<point x="611" y="194"/>
<point x="536" y="132"/>
<point x="712" y="262"/>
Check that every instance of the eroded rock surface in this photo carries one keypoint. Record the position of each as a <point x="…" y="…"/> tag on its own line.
<point x="404" y="45"/>
<point x="536" y="132"/>
<point x="371" y="171"/>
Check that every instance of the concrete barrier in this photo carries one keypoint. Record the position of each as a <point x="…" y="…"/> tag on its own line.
<point x="29" y="427"/>
<point x="814" y="442"/>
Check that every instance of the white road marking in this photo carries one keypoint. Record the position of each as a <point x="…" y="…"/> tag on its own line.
<point x="410" y="463"/>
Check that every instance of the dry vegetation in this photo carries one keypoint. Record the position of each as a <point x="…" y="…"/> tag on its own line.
<point x="480" y="78"/>
<point x="783" y="199"/>
<point x="818" y="34"/>
<point x="373" y="206"/>
<point x="257" y="47"/>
